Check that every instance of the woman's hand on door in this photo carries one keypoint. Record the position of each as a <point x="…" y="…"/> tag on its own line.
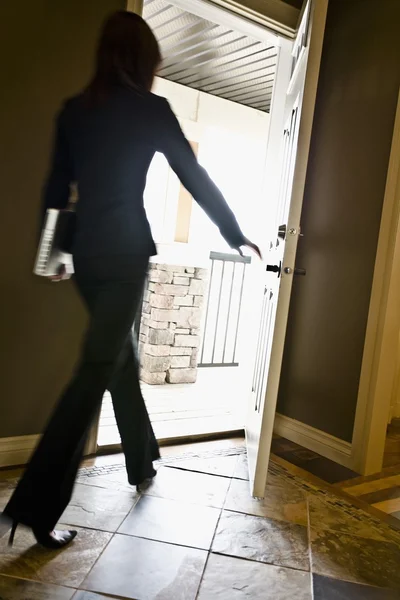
<point x="252" y="246"/>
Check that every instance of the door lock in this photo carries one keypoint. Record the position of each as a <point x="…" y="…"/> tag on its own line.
<point x="275" y="269"/>
<point x="282" y="232"/>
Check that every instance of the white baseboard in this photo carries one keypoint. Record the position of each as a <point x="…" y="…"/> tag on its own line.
<point x="313" y="439"/>
<point x="17" y="450"/>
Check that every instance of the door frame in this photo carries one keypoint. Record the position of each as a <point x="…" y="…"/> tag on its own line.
<point x="379" y="365"/>
<point x="380" y="362"/>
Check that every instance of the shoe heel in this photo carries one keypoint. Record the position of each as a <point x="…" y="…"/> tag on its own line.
<point x="12" y="534"/>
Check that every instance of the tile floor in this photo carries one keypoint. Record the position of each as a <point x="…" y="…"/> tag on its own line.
<point x="392" y="446"/>
<point x="196" y="534"/>
<point x="331" y="472"/>
<point x="381" y="491"/>
<point x="313" y="463"/>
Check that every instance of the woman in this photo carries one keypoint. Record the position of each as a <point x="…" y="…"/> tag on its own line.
<point x="105" y="141"/>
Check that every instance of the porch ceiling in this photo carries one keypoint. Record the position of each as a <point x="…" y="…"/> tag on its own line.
<point x="212" y="58"/>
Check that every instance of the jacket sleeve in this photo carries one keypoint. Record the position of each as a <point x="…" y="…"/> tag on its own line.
<point x="177" y="150"/>
<point x="56" y="190"/>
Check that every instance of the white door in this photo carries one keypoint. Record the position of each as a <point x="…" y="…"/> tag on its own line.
<point x="297" y="125"/>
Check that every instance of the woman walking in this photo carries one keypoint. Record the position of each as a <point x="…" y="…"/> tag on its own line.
<point x="106" y="138"/>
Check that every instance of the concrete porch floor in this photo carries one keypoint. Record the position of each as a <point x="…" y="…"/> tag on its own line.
<point x="213" y="404"/>
<point x="196" y="534"/>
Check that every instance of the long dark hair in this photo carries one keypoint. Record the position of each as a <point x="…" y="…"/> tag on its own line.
<point x="128" y="54"/>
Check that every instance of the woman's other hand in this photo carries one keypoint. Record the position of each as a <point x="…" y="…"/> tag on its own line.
<point x="61" y="275"/>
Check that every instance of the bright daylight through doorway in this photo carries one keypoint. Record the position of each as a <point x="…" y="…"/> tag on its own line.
<point x="197" y="318"/>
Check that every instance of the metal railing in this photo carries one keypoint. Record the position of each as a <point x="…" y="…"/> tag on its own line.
<point x="223" y="310"/>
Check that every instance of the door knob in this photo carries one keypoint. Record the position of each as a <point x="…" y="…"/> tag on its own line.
<point x="275" y="269"/>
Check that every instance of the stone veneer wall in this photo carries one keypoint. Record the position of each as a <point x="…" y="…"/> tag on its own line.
<point x="169" y="336"/>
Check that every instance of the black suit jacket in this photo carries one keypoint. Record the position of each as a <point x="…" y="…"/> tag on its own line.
<point x="107" y="150"/>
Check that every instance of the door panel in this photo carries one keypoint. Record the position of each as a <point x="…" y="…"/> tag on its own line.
<point x="295" y="143"/>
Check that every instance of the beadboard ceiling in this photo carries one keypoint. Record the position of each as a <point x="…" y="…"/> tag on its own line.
<point x="212" y="58"/>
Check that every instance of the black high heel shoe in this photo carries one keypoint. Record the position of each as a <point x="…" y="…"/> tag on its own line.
<point x="53" y="540"/>
<point x="146" y="482"/>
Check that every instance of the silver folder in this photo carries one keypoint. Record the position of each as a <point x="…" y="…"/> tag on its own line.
<point x="50" y="257"/>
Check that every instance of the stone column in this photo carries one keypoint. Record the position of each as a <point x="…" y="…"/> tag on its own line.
<point x="170" y="328"/>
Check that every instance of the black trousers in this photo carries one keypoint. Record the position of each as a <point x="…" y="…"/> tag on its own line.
<point x="112" y="289"/>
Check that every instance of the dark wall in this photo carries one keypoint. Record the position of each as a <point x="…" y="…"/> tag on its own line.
<point x="46" y="53"/>
<point x="351" y="140"/>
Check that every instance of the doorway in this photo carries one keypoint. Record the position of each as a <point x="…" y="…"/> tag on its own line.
<point x="219" y="80"/>
<point x="278" y="222"/>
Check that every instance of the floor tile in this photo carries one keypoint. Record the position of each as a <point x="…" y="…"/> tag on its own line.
<point x="326" y="469"/>
<point x="106" y="460"/>
<point x="313" y="463"/>
<point x="263" y="540"/>
<point x="280" y="444"/>
<point x="98" y="508"/>
<point x="305" y="455"/>
<point x="224" y="466"/>
<point x="7" y="474"/>
<point x="173" y="522"/>
<point x="68" y="567"/>
<point x="391" y="493"/>
<point x="199" y="448"/>
<point x="117" y="481"/>
<point x="367" y="487"/>
<point x="355" y="559"/>
<point x="7" y="487"/>
<point x="325" y="515"/>
<point x="196" y="488"/>
<point x="242" y="468"/>
<point x="388" y="506"/>
<point x="83" y="595"/>
<point x="146" y="570"/>
<point x="229" y="578"/>
<point x="20" y="589"/>
<point x="283" y="500"/>
<point x="333" y="589"/>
